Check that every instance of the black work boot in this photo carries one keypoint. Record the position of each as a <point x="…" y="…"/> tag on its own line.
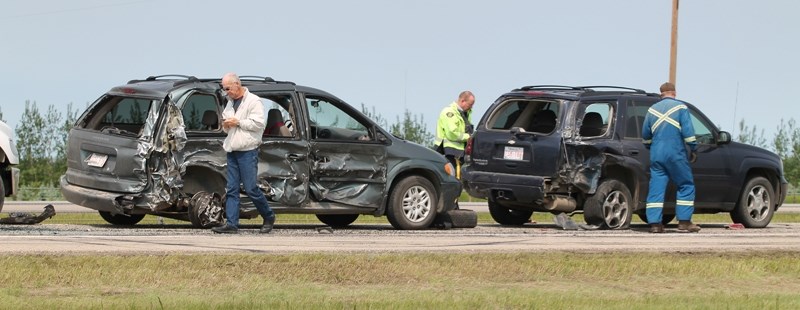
<point x="656" y="228"/>
<point x="267" y="226"/>
<point x="688" y="226"/>
<point x="225" y="229"/>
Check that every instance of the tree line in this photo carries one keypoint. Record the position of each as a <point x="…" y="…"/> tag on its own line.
<point x="41" y="139"/>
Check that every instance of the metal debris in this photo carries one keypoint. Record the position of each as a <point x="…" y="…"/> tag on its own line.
<point x="29" y="218"/>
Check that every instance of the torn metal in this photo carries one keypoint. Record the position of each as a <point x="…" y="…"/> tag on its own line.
<point x="29" y="218"/>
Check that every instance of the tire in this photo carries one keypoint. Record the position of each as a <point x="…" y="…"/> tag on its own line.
<point x="412" y="204"/>
<point x="756" y="204"/>
<point x="509" y="217"/>
<point x="337" y="220"/>
<point x="121" y="219"/>
<point x="610" y="206"/>
<point x="665" y="218"/>
<point x="460" y="218"/>
<point x="206" y="210"/>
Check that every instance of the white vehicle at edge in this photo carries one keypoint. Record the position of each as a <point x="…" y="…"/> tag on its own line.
<point x="9" y="158"/>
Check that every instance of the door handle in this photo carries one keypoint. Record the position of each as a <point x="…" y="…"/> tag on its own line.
<point x="296" y="157"/>
<point x="634" y="152"/>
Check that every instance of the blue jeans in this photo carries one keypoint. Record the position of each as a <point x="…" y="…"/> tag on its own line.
<point x="243" y="168"/>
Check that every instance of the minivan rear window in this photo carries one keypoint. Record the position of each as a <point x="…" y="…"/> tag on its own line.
<point x="119" y="115"/>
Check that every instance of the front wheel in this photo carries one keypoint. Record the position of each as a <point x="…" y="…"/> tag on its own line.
<point x="206" y="210"/>
<point x="121" y="219"/>
<point x="610" y="206"/>
<point x="755" y="207"/>
<point x="412" y="204"/>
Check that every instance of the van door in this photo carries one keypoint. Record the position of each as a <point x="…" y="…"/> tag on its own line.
<point x="348" y="159"/>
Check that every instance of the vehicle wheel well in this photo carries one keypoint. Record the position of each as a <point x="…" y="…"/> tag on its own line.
<point x="626" y="177"/>
<point x="199" y="178"/>
<point x="411" y="172"/>
<point x="762" y="172"/>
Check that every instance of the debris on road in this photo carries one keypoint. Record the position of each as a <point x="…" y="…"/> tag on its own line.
<point x="29" y="218"/>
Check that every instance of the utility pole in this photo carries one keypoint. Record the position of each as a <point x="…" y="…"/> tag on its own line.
<point x="673" y="53"/>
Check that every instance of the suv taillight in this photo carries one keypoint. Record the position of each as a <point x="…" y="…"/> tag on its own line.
<point x="468" y="149"/>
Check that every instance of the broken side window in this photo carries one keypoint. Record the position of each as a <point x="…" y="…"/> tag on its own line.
<point x="596" y="118"/>
<point x="280" y="109"/>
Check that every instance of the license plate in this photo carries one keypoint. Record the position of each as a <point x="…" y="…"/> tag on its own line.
<point x="97" y="160"/>
<point x="513" y="153"/>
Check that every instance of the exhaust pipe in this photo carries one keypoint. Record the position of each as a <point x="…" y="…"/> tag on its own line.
<point x="560" y="203"/>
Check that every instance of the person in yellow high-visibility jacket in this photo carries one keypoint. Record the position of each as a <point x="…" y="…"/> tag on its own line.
<point x="454" y="128"/>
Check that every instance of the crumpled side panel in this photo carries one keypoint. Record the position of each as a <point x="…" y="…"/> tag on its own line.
<point x="584" y="166"/>
<point x="165" y="161"/>
<point x="355" y="178"/>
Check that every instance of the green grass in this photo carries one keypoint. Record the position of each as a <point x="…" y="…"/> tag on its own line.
<point x="404" y="281"/>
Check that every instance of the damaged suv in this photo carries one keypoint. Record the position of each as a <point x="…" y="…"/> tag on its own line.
<point x="564" y="149"/>
<point x="154" y="146"/>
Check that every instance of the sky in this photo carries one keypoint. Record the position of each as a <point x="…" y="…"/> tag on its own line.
<point x="736" y="59"/>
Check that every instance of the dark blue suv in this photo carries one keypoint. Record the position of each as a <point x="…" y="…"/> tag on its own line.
<point x="565" y="149"/>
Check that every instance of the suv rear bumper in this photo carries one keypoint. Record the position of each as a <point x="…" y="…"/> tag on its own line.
<point x="503" y="187"/>
<point x="90" y="198"/>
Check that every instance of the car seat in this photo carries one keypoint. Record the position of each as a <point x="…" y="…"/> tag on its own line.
<point x="543" y="121"/>
<point x="275" y="125"/>
<point x="210" y="120"/>
<point x="592" y="125"/>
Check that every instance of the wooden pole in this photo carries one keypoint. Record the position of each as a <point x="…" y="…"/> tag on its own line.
<point x="673" y="53"/>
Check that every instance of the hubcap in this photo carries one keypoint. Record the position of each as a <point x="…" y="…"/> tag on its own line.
<point x="615" y="209"/>
<point x="758" y="203"/>
<point x="416" y="204"/>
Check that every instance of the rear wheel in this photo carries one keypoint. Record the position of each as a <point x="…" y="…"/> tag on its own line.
<point x="337" y="220"/>
<point x="412" y="204"/>
<point x="121" y="219"/>
<point x="755" y="207"/>
<point x="506" y="216"/>
<point x="610" y="206"/>
<point x="206" y="210"/>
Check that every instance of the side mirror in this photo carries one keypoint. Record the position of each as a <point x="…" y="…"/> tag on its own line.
<point x="382" y="138"/>
<point x="724" y="137"/>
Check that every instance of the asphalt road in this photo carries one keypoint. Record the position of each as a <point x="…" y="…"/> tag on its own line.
<point x="47" y="238"/>
<point x="66" y="207"/>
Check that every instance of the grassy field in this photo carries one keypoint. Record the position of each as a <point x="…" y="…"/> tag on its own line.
<point x="404" y="281"/>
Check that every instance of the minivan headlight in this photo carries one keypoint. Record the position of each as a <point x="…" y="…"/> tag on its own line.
<point x="448" y="168"/>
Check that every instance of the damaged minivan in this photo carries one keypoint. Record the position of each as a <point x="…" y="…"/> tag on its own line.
<point x="563" y="149"/>
<point x="154" y="146"/>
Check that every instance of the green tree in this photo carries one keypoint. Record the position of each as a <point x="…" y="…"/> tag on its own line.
<point x="412" y="128"/>
<point x="787" y="145"/>
<point x="750" y="135"/>
<point x="40" y="140"/>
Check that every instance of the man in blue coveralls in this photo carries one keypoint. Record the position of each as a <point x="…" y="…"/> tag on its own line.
<point x="666" y="128"/>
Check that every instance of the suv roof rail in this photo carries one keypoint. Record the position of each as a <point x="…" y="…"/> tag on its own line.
<point x="593" y="88"/>
<point x="547" y="87"/>
<point x="264" y="79"/>
<point x="156" y="77"/>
